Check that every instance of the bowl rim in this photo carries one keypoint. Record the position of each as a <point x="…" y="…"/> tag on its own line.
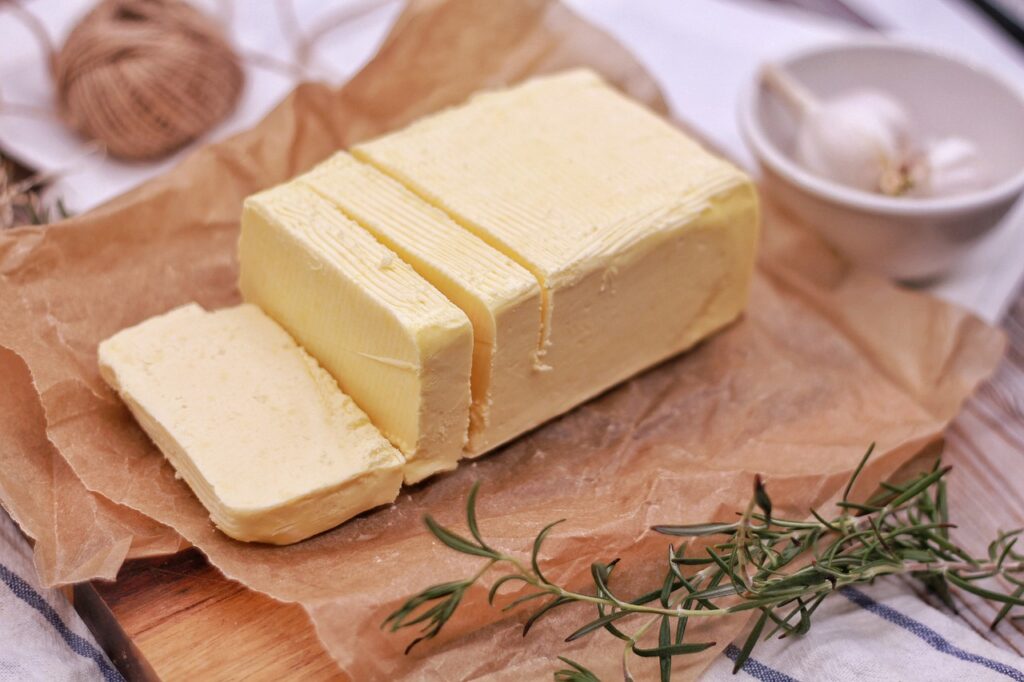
<point x="779" y="162"/>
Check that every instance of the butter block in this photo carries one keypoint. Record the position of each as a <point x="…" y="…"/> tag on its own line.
<point x="259" y="431"/>
<point x="396" y="345"/>
<point x="501" y="298"/>
<point x="642" y="242"/>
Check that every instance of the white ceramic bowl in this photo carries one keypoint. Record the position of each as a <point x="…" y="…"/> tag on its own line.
<point x="911" y="239"/>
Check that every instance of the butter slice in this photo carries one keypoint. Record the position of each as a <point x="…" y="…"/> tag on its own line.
<point x="643" y="243"/>
<point x="501" y="298"/>
<point x="259" y="431"/>
<point x="399" y="348"/>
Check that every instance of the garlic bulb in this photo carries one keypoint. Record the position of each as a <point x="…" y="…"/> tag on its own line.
<point x="863" y="139"/>
<point x="857" y="139"/>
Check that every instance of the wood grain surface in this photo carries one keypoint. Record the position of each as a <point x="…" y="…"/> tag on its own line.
<point x="985" y="444"/>
<point x="181" y="619"/>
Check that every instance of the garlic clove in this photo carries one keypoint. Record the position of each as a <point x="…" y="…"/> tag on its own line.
<point x="951" y="166"/>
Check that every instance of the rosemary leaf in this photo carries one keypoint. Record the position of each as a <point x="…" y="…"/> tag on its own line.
<point x="673" y="650"/>
<point x="576" y="673"/>
<point x="856" y="472"/>
<point x="748" y="645"/>
<point x="534" y="562"/>
<point x="553" y="604"/>
<point x="456" y="542"/>
<point x="596" y="624"/>
<point x="1018" y="594"/>
<point x="471" y="517"/>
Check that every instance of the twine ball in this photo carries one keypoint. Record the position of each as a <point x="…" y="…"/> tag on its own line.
<point x="145" y="77"/>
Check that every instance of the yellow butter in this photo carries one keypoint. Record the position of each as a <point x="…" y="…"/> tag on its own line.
<point x="502" y="299"/>
<point x="259" y="431"/>
<point x="641" y="241"/>
<point x="399" y="348"/>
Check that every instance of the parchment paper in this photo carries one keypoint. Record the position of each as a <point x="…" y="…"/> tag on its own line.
<point x="825" y="361"/>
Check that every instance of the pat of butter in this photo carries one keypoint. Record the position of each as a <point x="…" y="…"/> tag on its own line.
<point x="392" y="341"/>
<point x="259" y="431"/>
<point x="641" y="241"/>
<point x="501" y="298"/>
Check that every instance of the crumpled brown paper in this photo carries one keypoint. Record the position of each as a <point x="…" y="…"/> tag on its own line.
<point x="78" y="535"/>
<point x="825" y="361"/>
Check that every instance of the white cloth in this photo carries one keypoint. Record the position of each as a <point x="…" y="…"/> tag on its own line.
<point x="41" y="637"/>
<point x="881" y="632"/>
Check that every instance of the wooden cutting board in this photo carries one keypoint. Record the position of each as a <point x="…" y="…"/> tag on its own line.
<point x="178" y="618"/>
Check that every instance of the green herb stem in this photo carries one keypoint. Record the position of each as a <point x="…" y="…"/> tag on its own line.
<point x="782" y="568"/>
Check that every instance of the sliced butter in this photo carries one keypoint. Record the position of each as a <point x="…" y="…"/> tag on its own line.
<point x="642" y="242"/>
<point x="259" y="431"/>
<point x="398" y="347"/>
<point x="501" y="298"/>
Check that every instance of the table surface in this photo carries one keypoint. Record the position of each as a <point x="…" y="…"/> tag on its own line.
<point x="985" y="445"/>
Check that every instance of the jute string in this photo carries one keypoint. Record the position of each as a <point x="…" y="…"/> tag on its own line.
<point x="144" y="77"/>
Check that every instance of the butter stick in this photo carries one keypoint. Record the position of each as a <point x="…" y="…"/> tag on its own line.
<point x="260" y="432"/>
<point x="642" y="242"/>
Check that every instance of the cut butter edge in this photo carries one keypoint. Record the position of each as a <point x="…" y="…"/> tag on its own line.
<point x="258" y="430"/>
<point x="501" y="299"/>
<point x="396" y="345"/>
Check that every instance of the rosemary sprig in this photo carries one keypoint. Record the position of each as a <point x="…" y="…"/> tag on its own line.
<point x="783" y="569"/>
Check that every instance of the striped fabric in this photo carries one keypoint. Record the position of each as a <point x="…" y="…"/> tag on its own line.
<point x="41" y="636"/>
<point x="883" y="632"/>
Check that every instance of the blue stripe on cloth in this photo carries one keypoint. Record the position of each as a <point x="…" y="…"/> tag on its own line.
<point x="756" y="669"/>
<point x="81" y="646"/>
<point x="925" y="633"/>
